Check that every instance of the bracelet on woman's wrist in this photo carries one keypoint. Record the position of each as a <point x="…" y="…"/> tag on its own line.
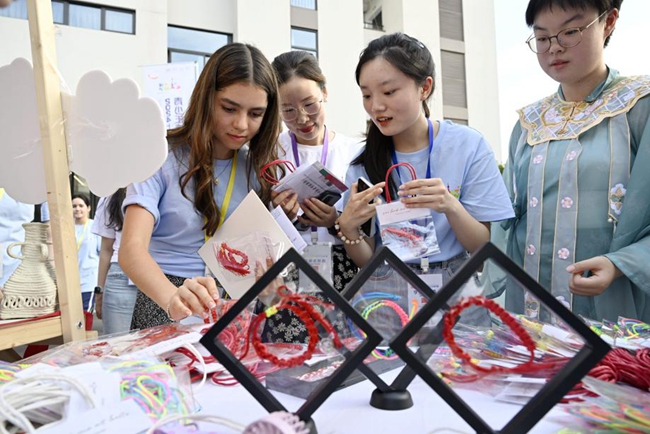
<point x="169" y="315"/>
<point x="346" y="240"/>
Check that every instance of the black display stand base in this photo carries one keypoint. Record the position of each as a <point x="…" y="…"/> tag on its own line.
<point x="311" y="426"/>
<point x="391" y="399"/>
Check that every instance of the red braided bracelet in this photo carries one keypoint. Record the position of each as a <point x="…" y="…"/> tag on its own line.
<point x="232" y="259"/>
<point x="510" y="321"/>
<point x="301" y="307"/>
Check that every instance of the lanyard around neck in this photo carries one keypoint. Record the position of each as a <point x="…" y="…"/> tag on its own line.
<point x="228" y="195"/>
<point x="323" y="155"/>
<point x="83" y="235"/>
<point x="393" y="154"/>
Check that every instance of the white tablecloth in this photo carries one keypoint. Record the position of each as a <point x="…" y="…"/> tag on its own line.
<point x="348" y="411"/>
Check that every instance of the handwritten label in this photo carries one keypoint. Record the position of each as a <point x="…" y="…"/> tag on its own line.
<point x="124" y="418"/>
<point x="395" y="212"/>
<point x="103" y="386"/>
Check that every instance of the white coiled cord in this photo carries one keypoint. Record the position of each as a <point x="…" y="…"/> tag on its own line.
<point x="39" y="399"/>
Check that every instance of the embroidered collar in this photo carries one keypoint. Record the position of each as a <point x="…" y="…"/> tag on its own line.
<point x="553" y="118"/>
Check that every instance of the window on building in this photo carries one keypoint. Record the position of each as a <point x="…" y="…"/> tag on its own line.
<point x="304" y="40"/>
<point x="191" y="45"/>
<point x="16" y="9"/>
<point x="451" y="19"/>
<point x="306" y="4"/>
<point x="84" y="16"/>
<point x="376" y="23"/>
<point x="454" y="88"/>
<point x="88" y="16"/>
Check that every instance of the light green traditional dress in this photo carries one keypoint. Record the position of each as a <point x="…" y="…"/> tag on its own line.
<point x="578" y="174"/>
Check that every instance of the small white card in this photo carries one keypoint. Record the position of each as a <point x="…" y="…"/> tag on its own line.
<point x="395" y="212"/>
<point x="433" y="280"/>
<point x="104" y="386"/>
<point x="319" y="257"/>
<point x="289" y="229"/>
<point x="124" y="418"/>
<point x="250" y="221"/>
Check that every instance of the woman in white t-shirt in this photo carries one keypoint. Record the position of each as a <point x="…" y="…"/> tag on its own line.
<point x="303" y="94"/>
<point x="115" y="294"/>
<point x="87" y="249"/>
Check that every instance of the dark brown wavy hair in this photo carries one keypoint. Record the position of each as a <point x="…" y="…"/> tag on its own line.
<point x="232" y="64"/>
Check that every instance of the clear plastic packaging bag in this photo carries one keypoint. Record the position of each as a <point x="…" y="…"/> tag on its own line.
<point x="409" y="232"/>
<point x="238" y="256"/>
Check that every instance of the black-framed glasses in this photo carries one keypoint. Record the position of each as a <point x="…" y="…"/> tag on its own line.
<point x="309" y="108"/>
<point x="566" y="38"/>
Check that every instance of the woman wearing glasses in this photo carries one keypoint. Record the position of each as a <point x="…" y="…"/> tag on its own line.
<point x="303" y="93"/>
<point x="577" y="170"/>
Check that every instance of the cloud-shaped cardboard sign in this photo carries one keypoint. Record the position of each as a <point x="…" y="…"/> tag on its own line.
<point x="114" y="136"/>
<point x="21" y="157"/>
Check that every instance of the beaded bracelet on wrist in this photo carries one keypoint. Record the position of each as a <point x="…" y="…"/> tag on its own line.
<point x="346" y="240"/>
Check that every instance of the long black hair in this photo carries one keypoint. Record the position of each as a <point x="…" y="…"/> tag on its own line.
<point x="413" y="59"/>
<point x="114" y="214"/>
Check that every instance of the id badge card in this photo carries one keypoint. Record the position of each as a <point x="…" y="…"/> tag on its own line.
<point x="318" y="256"/>
<point x="433" y="281"/>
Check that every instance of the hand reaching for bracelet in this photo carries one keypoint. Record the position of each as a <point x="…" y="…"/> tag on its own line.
<point x="195" y="296"/>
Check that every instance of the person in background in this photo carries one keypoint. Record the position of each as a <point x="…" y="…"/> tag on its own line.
<point x="577" y="171"/>
<point x="229" y="133"/>
<point x="88" y="245"/>
<point x="114" y="295"/>
<point x="303" y="94"/>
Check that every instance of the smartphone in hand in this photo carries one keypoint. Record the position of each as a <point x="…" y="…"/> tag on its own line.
<point x="329" y="197"/>
<point x="368" y="226"/>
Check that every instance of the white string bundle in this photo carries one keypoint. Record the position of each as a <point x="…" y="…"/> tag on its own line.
<point x="37" y="400"/>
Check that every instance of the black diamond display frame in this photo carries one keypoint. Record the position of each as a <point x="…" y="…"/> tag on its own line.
<point x="394" y="396"/>
<point x="352" y="358"/>
<point x="590" y="354"/>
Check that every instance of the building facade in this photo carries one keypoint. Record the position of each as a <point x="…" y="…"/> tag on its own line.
<point x="119" y="36"/>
